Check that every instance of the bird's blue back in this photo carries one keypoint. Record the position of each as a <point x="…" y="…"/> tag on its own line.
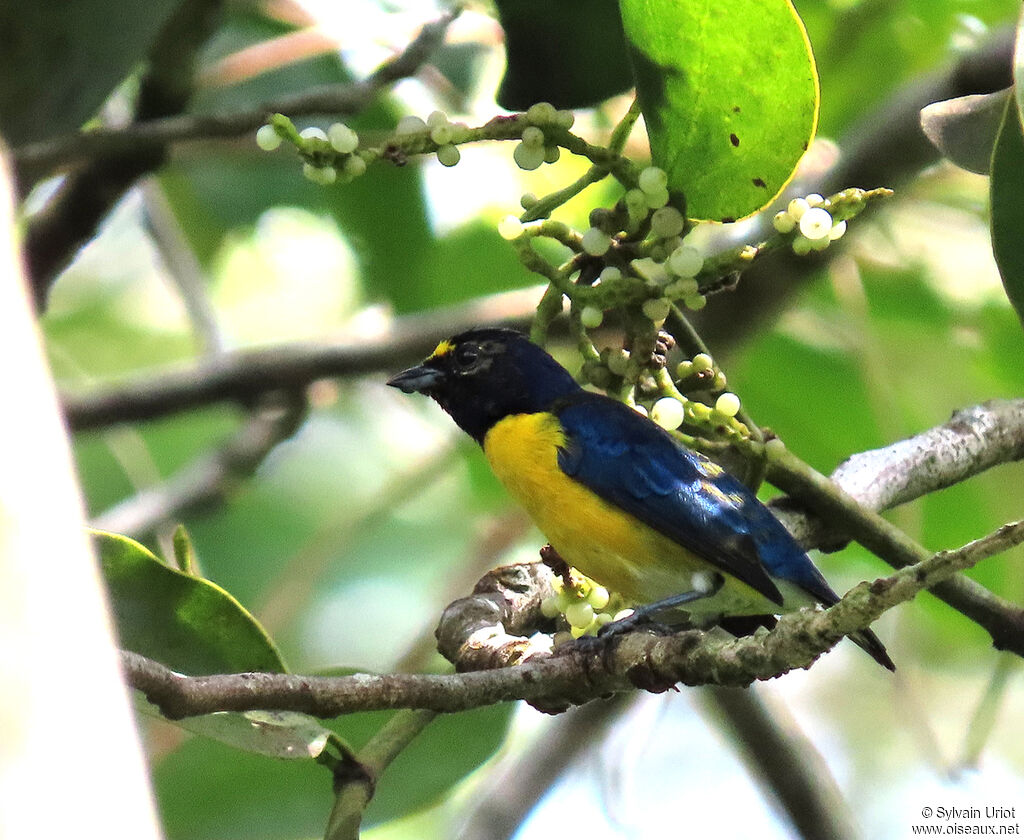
<point x="634" y="464"/>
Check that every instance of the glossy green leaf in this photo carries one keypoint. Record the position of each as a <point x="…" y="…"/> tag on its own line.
<point x="1007" y="197"/>
<point x="571" y="53"/>
<point x="729" y="93"/>
<point x="273" y="800"/>
<point x="187" y="623"/>
<point x="964" y="129"/>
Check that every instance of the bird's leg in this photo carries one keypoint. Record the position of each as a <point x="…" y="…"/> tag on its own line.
<point x="704" y="586"/>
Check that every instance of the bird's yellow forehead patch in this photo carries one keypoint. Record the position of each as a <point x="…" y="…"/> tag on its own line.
<point x="442" y="349"/>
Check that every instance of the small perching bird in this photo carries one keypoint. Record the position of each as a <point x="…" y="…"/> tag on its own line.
<point x="616" y="495"/>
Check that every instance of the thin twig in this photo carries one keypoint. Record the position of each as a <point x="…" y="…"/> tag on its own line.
<point x="244" y="374"/>
<point x="34" y="159"/>
<point x="578" y="673"/>
<point x="211" y="476"/>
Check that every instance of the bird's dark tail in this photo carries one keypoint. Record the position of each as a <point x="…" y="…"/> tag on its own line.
<point x="869" y="642"/>
<point x="744" y="625"/>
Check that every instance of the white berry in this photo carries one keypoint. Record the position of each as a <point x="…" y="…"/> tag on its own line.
<point x="267" y="138"/>
<point x="668" y="413"/>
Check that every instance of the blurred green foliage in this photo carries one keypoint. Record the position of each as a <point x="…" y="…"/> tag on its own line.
<point x="355" y="533"/>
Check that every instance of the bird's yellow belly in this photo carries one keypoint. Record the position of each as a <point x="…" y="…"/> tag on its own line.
<point x="602" y="541"/>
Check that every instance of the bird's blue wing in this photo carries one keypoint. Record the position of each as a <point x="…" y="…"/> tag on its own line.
<point x="637" y="466"/>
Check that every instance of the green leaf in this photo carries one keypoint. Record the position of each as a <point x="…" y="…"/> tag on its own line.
<point x="1006" y="188"/>
<point x="729" y="92"/>
<point x="60" y="61"/>
<point x="189" y="624"/>
<point x="571" y="53"/>
<point x="964" y="129"/>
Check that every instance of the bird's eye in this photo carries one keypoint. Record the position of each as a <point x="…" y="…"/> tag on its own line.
<point x="467" y="354"/>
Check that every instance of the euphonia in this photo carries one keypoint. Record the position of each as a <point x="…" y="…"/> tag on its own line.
<point x="617" y="496"/>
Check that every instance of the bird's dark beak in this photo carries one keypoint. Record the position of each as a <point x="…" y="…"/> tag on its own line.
<point x="420" y="378"/>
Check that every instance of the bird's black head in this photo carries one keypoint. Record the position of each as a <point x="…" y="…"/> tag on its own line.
<point x="485" y="374"/>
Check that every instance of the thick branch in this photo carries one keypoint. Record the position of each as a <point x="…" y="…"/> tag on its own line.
<point x="974" y="439"/>
<point x="575" y="674"/>
<point x="1003" y="620"/>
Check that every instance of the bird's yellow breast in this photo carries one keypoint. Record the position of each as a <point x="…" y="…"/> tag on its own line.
<point x="601" y="540"/>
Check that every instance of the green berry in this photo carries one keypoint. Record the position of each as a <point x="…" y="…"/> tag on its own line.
<point x="686" y="261"/>
<point x="354" y="166"/>
<point x="323" y="175"/>
<point x="695" y="302"/>
<point x="682" y="288"/>
<point x="703" y="362"/>
<point x="342" y="138"/>
<point x="684" y="369"/>
<point x="533" y="136"/>
<point x="580" y="614"/>
<point x="436" y="118"/>
<point x="591" y="317"/>
<point x="652" y="180"/>
<point x="510" y="228"/>
<point x="410" y="124"/>
<point x="610" y="274"/>
<point x="727" y="404"/>
<point x="618" y="362"/>
<point x="527" y="200"/>
<point x="636" y="204"/>
<point x="549" y="607"/>
<point x="656" y="309"/>
<point x="801" y="246"/>
<point x="267" y="138"/>
<point x="442" y="134"/>
<point x="541" y="113"/>
<point x="448" y="155"/>
<point x="596" y="242"/>
<point x="667" y="222"/>
<point x="656" y="199"/>
<point x="565" y="119"/>
<point x="528" y="157"/>
<point x="783" y="222"/>
<point x="552" y="154"/>
<point x="668" y="413"/>
<point x="797" y="207"/>
<point x="816" y="223"/>
<point x="838" y="229"/>
<point x="598" y="597"/>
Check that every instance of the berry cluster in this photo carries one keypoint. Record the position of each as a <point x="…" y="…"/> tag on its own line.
<point x="815" y="226"/>
<point x="330" y="155"/>
<point x="585" y="605"/>
<point x="534" y="147"/>
<point x="699" y="374"/>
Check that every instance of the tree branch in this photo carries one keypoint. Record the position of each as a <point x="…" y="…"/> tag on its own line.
<point x="245" y="374"/>
<point x="154" y="135"/>
<point x="576" y="673"/>
<point x="87" y="195"/>
<point x="784" y="761"/>
<point x="213" y="475"/>
<point x="1003" y="620"/>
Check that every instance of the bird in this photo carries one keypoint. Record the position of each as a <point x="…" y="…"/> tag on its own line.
<point x="617" y="496"/>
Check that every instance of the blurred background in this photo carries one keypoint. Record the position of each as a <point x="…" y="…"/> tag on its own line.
<point x="347" y="523"/>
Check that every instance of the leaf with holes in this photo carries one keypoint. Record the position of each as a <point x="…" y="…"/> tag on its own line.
<point x="729" y="93"/>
